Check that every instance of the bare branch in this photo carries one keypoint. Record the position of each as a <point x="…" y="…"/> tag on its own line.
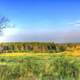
<point x="3" y="22"/>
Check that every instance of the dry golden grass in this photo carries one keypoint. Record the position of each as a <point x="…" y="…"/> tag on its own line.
<point x="29" y="54"/>
<point x="66" y="53"/>
<point x="72" y="53"/>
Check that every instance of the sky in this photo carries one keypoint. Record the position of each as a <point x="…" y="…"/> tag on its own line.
<point x="41" y="20"/>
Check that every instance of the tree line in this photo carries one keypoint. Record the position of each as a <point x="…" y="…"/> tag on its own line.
<point x="28" y="47"/>
<point x="41" y="47"/>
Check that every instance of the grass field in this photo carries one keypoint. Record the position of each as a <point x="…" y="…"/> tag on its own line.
<point x="33" y="66"/>
<point x="66" y="53"/>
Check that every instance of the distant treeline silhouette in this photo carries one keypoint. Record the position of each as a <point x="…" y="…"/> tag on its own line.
<point x="37" y="47"/>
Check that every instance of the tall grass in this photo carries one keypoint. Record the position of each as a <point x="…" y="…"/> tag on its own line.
<point x="37" y="68"/>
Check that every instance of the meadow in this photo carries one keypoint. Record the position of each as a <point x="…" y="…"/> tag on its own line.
<point x="31" y="66"/>
<point x="39" y="61"/>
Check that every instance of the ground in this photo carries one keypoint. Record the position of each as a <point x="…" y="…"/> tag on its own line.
<point x="40" y="66"/>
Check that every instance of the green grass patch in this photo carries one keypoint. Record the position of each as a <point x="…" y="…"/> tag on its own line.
<point x="48" y="67"/>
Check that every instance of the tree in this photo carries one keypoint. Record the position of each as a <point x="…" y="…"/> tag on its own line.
<point x="3" y="23"/>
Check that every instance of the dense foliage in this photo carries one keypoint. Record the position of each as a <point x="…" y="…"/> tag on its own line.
<point x="41" y="47"/>
<point x="28" y="47"/>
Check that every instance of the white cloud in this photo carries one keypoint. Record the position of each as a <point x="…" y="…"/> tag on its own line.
<point x="75" y="24"/>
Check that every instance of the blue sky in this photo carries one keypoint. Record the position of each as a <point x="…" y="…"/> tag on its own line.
<point x="42" y="20"/>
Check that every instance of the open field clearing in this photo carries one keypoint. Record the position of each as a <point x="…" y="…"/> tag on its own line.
<point x="30" y="54"/>
<point x="66" y="53"/>
<point x="41" y="66"/>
